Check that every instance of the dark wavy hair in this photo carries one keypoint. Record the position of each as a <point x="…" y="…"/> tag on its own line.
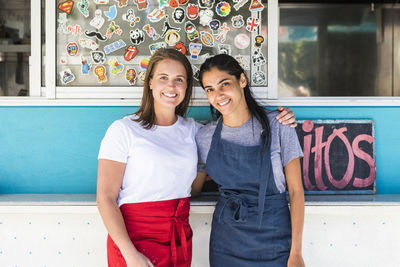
<point x="230" y="65"/>
<point x="146" y="114"/>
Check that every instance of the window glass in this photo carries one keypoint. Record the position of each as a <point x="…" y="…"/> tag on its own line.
<point x="109" y="43"/>
<point x="14" y="47"/>
<point x="335" y="50"/>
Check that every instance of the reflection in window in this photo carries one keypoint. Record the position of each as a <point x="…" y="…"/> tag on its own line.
<point x="332" y="50"/>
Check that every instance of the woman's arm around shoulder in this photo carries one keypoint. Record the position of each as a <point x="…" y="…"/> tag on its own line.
<point x="296" y="197"/>
<point x="109" y="180"/>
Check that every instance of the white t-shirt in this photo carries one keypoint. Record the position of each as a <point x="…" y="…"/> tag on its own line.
<point x="161" y="163"/>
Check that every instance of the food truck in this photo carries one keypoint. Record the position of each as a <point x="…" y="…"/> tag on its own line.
<point x="69" y="68"/>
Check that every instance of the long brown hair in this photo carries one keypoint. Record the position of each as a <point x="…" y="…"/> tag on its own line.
<point x="146" y="113"/>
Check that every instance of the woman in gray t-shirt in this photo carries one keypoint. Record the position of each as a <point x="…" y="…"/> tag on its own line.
<point x="253" y="159"/>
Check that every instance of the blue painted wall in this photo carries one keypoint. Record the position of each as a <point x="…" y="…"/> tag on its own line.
<point x="54" y="149"/>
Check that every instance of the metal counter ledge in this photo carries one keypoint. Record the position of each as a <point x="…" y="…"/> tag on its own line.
<point x="204" y="200"/>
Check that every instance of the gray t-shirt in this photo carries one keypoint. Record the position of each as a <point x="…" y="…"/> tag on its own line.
<point x="285" y="145"/>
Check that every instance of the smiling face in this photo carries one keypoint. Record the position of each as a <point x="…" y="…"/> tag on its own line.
<point x="225" y="92"/>
<point x="168" y="84"/>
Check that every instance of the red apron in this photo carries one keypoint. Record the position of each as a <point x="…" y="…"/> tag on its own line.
<point x="160" y="230"/>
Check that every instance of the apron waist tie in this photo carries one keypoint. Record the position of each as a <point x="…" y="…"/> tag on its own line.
<point x="240" y="213"/>
<point x="178" y="229"/>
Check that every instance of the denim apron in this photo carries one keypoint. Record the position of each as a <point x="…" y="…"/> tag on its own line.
<point x="251" y="222"/>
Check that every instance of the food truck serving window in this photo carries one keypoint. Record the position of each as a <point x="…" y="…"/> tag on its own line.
<point x="109" y="44"/>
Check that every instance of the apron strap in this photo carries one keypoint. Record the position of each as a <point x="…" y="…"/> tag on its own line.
<point x="178" y="229"/>
<point x="263" y="181"/>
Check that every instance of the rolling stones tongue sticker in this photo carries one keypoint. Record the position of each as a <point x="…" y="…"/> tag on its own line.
<point x="66" y="6"/>
<point x="130" y="76"/>
<point x="130" y="53"/>
<point x="72" y="49"/>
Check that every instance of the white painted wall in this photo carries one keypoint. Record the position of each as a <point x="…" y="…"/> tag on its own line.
<point x="75" y="236"/>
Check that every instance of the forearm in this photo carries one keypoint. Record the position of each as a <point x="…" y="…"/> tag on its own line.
<point x="297" y="219"/>
<point x="115" y="225"/>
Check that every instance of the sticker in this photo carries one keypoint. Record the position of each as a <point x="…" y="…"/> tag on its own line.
<point x="214" y="26"/>
<point x="223" y="31"/>
<point x="74" y="30"/>
<point x="206" y="17"/>
<point x="173" y="3"/>
<point x="258" y="41"/>
<point x="141" y="4"/>
<point x="83" y="8"/>
<point x="121" y="3"/>
<point x="239" y="4"/>
<point x="180" y="47"/>
<point x="63" y="60"/>
<point x="130" y="76"/>
<point x="142" y="75"/>
<point x="192" y="11"/>
<point x="258" y="58"/>
<point x="191" y="32"/>
<point x="172" y="38"/>
<point x="67" y="76"/>
<point x="258" y="78"/>
<point x="179" y="15"/>
<point x="85" y="68"/>
<point x="224" y="49"/>
<point x="252" y="24"/>
<point x="237" y="21"/>
<point x="256" y="6"/>
<point x="207" y="39"/>
<point x="130" y="17"/>
<point x="98" y="21"/>
<point x="195" y="49"/>
<point x="167" y="27"/>
<point x="242" y="41"/>
<point x="87" y="43"/>
<point x="98" y="57"/>
<point x="183" y="2"/>
<point x="101" y="2"/>
<point x="62" y="23"/>
<point x="113" y="28"/>
<point x="151" y="32"/>
<point x="206" y="3"/>
<point x="137" y="36"/>
<point x="114" y="46"/>
<point x="243" y="61"/>
<point x="144" y="63"/>
<point x="156" y="15"/>
<point x="130" y="53"/>
<point x="163" y="3"/>
<point x="223" y="9"/>
<point x="72" y="49"/>
<point x="196" y="72"/>
<point x="111" y="13"/>
<point x="96" y="34"/>
<point x="100" y="72"/>
<point x="66" y="7"/>
<point x="115" y="66"/>
<point x="155" y="46"/>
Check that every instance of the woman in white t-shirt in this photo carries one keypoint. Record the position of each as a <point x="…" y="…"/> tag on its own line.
<point x="147" y="163"/>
